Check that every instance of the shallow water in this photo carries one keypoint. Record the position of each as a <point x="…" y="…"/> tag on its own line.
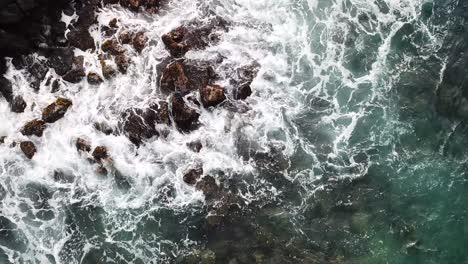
<point x="342" y="151"/>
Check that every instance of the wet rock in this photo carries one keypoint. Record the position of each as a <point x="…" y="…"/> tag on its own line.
<point x="80" y="38"/>
<point x="191" y="176"/>
<point x="55" y="86"/>
<point x="107" y="70"/>
<point x="242" y="92"/>
<point x="126" y="37"/>
<point x="139" y="41"/>
<point x="208" y="186"/>
<point x="28" y="148"/>
<point x="112" y="46"/>
<point x="186" y="118"/>
<point x="103" y="127"/>
<point x="35" y="127"/>
<point x="3" y="192"/>
<point x="122" y="62"/>
<point x="194" y="35"/>
<point x="208" y="257"/>
<point x="94" y="78"/>
<point x="38" y="71"/>
<point x="212" y="95"/>
<point x="195" y="146"/>
<point x="161" y="112"/>
<point x="139" y="125"/>
<point x="133" y="5"/>
<point x="18" y="104"/>
<point x="6" y="89"/>
<point x="61" y="60"/>
<point x="186" y="76"/>
<point x="2" y="140"/>
<point x="77" y="72"/>
<point x="100" y="153"/>
<point x="110" y="2"/>
<point x="83" y="145"/>
<point x="63" y="176"/>
<point x="113" y="23"/>
<point x="56" y="110"/>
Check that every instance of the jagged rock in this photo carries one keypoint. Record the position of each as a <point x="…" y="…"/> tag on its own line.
<point x="35" y="127"/>
<point x="191" y="176"/>
<point x="185" y="117"/>
<point x="28" y="148"/>
<point x="208" y="186"/>
<point x="100" y="153"/>
<point x="195" y="146"/>
<point x="186" y="76"/>
<point x="126" y="37"/>
<point x="112" y="46"/>
<point x="139" y="41"/>
<point x="83" y="145"/>
<point x="212" y="95"/>
<point x="122" y="62"/>
<point x="77" y="72"/>
<point x="160" y="112"/>
<point x="56" y="110"/>
<point x="61" y="60"/>
<point x="113" y="23"/>
<point x="94" y="78"/>
<point x="139" y="125"/>
<point x="80" y="38"/>
<point x="195" y="35"/>
<point x="18" y="104"/>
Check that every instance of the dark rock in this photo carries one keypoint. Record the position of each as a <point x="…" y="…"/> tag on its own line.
<point x="126" y="37"/>
<point x="2" y="140"/>
<point x="103" y="127"/>
<point x="94" y="78"/>
<point x="133" y="5"/>
<point x="107" y="70"/>
<point x="28" y="148"/>
<point x="110" y="2"/>
<point x="186" y="76"/>
<point x="139" y="125"/>
<point x="122" y="62"/>
<point x="160" y="112"/>
<point x="35" y="127"/>
<point x="139" y="41"/>
<point x="195" y="146"/>
<point x="112" y="46"/>
<point x="113" y="23"/>
<point x="100" y="153"/>
<point x="191" y="176"/>
<point x="63" y="176"/>
<point x="55" y="86"/>
<point x="56" y="110"/>
<point x="185" y="117"/>
<point x="83" y="145"/>
<point x="38" y="71"/>
<point x="6" y="89"/>
<point x="212" y="95"/>
<point x="61" y="60"/>
<point x="18" y="104"/>
<point x="80" y="38"/>
<point x="173" y="42"/>
<point x="77" y="72"/>
<point x="208" y="186"/>
<point x="242" y="92"/>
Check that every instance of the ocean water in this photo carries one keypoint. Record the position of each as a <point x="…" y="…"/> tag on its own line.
<point x="345" y="152"/>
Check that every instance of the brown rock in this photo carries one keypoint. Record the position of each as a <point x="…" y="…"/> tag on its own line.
<point x="18" y="104"/>
<point x="122" y="62"/>
<point x="191" y="176"/>
<point x="28" y="148"/>
<point x="173" y="42"/>
<point x="185" y="117"/>
<point x="83" y="145"/>
<point x="100" y="153"/>
<point x="112" y="46"/>
<point x="56" y="110"/>
<point x="77" y="72"/>
<point x="174" y="79"/>
<point x="161" y="112"/>
<point x="107" y="70"/>
<point x="186" y="76"/>
<point x="139" y="125"/>
<point x="80" y="38"/>
<point x="126" y="37"/>
<point x="35" y="127"/>
<point x="212" y="95"/>
<point x="133" y="5"/>
<point x="113" y="23"/>
<point x="139" y="41"/>
<point x="94" y="78"/>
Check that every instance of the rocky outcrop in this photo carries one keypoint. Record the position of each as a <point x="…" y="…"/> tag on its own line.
<point x="28" y="148"/>
<point x="56" y="110"/>
<point x="35" y="127"/>
<point x="77" y="71"/>
<point x="186" y="76"/>
<point x="186" y="118"/>
<point x="192" y="175"/>
<point x="212" y="95"/>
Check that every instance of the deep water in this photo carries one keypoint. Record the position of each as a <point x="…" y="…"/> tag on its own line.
<point x="351" y="150"/>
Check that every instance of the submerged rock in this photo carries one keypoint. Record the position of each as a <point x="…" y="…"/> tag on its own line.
<point x="208" y="186"/>
<point x="186" y="118"/>
<point x="195" y="146"/>
<point x="35" y="127"/>
<point x="56" y="110"/>
<point x="28" y="148"/>
<point x="122" y="62"/>
<point x="83" y="145"/>
<point x="77" y="71"/>
<point x="212" y="95"/>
